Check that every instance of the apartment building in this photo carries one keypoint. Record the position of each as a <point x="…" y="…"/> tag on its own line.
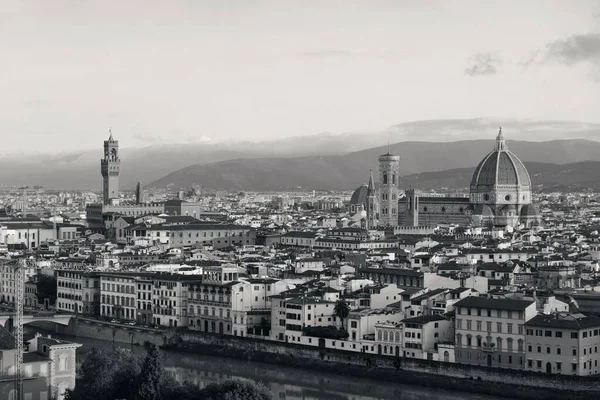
<point x="251" y="305"/>
<point x="216" y="235"/>
<point x="423" y="333"/>
<point x="144" y="298"/>
<point x="564" y="344"/>
<point x="304" y="312"/>
<point x="389" y="337"/>
<point x="118" y="295"/>
<point x="91" y="293"/>
<point x="491" y="332"/>
<point x="69" y="291"/>
<point x="170" y="298"/>
<point x="210" y="299"/>
<point x="8" y="278"/>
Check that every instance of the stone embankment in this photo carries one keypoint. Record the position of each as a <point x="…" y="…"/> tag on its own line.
<point x="489" y="381"/>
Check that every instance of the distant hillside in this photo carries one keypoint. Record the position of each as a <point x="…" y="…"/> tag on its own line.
<point x="436" y="151"/>
<point x="545" y="177"/>
<point x="350" y="170"/>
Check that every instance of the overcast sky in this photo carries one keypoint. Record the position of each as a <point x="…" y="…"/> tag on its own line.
<point x="186" y="70"/>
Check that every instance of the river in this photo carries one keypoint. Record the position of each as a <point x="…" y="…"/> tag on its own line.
<point x="284" y="382"/>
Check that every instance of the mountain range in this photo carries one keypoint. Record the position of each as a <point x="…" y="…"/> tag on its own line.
<point x="423" y="165"/>
<point x="325" y="160"/>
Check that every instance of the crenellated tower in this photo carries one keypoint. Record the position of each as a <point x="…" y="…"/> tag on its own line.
<point x="110" y="167"/>
<point x="389" y="172"/>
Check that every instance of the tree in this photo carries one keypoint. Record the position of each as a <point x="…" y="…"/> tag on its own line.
<point x="46" y="288"/>
<point x="149" y="386"/>
<point x="341" y="310"/>
<point x="95" y="378"/>
<point x="235" y="389"/>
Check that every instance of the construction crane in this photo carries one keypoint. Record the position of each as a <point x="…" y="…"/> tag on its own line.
<point x="20" y="267"/>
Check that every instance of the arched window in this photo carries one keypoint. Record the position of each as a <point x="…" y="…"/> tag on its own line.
<point x="379" y="335"/>
<point x="394" y="179"/>
<point x="397" y="337"/>
<point x="385" y="336"/>
<point x="446" y="356"/>
<point x="385" y="178"/>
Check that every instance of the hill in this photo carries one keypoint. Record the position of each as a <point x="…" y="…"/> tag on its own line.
<point x="81" y="170"/>
<point x="350" y="170"/>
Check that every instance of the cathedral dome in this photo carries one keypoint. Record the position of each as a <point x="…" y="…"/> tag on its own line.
<point x="359" y="197"/>
<point x="500" y="168"/>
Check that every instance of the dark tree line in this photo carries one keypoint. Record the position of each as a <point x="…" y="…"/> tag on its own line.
<point x="121" y="375"/>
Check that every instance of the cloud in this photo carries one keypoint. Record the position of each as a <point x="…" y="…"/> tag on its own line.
<point x="482" y="64"/>
<point x="322" y="54"/>
<point x="574" y="49"/>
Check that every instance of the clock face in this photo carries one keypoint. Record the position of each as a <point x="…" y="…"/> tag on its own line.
<point x="113" y="152"/>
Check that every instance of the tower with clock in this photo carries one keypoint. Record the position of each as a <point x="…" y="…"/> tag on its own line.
<point x="110" y="167"/>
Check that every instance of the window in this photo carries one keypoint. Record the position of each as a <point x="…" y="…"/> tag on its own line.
<point x="499" y="327"/>
<point x="62" y="362"/>
<point x="548" y="350"/>
<point x="558" y="351"/>
<point x="539" y="349"/>
<point x="530" y="363"/>
<point x="548" y="333"/>
<point x="574" y="367"/>
<point x="573" y="335"/>
<point x="539" y="364"/>
<point x="574" y="352"/>
<point x="558" y="334"/>
<point x="478" y="325"/>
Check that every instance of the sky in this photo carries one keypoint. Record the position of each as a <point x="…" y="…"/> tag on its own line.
<point x="203" y="70"/>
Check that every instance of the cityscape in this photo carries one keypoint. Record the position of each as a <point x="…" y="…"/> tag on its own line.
<point x="438" y="259"/>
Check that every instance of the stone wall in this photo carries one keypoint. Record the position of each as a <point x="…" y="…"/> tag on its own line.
<point x="494" y="381"/>
<point x="79" y="327"/>
<point x="483" y="380"/>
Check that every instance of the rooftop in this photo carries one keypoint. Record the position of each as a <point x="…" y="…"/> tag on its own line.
<point x="496" y="304"/>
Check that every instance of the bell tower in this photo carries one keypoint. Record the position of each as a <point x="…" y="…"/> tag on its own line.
<point x="110" y="167"/>
<point x="389" y="172"/>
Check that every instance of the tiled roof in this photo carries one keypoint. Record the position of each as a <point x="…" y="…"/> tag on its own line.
<point x="496" y="304"/>
<point x="562" y="321"/>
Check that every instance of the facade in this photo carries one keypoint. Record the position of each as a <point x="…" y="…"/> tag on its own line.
<point x="564" y="344"/>
<point x="118" y="296"/>
<point x="69" y="292"/>
<point x="491" y="332"/>
<point x="110" y="167"/>
<point x="499" y="195"/>
<point x="170" y="299"/>
<point x="48" y="367"/>
<point x="210" y="299"/>
<point x="380" y="200"/>
<point x="144" y="298"/>
<point x="422" y="335"/>
<point x="251" y="305"/>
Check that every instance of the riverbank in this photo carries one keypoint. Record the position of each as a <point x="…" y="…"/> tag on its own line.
<point x="397" y="375"/>
<point x="487" y="381"/>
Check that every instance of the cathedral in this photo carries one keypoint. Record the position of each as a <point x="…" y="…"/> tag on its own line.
<point x="499" y="195"/>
